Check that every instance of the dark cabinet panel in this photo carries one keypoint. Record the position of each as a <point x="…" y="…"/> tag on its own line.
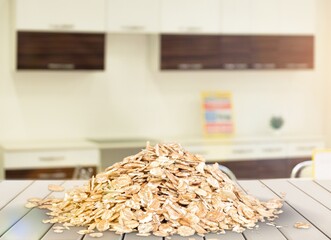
<point x="49" y="173"/>
<point x="235" y="52"/>
<point x="190" y="52"/>
<point x="264" y="52"/>
<point x="296" y="52"/>
<point x="263" y="169"/>
<point x="194" y="52"/>
<point x="60" y="51"/>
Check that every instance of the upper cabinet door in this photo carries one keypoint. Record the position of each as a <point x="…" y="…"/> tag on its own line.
<point x="187" y="16"/>
<point x="265" y="16"/>
<point x="61" y="15"/>
<point x="250" y="16"/>
<point x="133" y="16"/>
<point x="268" y="16"/>
<point x="235" y="16"/>
<point x="298" y="16"/>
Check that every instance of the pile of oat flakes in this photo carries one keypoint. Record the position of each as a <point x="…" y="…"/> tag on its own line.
<point x="162" y="190"/>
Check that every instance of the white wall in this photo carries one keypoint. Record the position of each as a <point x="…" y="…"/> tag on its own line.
<point x="130" y="99"/>
<point x="327" y="89"/>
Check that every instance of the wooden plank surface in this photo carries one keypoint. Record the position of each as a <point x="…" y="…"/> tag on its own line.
<point x="227" y="236"/>
<point x="16" y="209"/>
<point x="106" y="236"/>
<point x="315" y="191"/>
<point x="306" y="201"/>
<point x="31" y="224"/>
<point x="133" y="236"/>
<point x="286" y="219"/>
<point x="10" y="189"/>
<point x="325" y="183"/>
<point x="308" y="207"/>
<point x="264" y="231"/>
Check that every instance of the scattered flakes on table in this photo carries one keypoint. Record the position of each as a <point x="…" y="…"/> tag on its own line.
<point x="96" y="235"/>
<point x="31" y="204"/>
<point x="58" y="227"/>
<point x="302" y="225"/>
<point x="32" y="200"/>
<point x="55" y="188"/>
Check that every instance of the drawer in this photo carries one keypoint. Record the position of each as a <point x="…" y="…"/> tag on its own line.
<point x="224" y="152"/>
<point x="304" y="149"/>
<point x="51" y="159"/>
<point x="272" y="150"/>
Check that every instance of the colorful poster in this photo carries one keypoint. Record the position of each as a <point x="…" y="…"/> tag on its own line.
<point x="217" y="113"/>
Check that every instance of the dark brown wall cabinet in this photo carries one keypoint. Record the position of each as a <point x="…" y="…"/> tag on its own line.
<point x="193" y="52"/>
<point x="60" y="51"/>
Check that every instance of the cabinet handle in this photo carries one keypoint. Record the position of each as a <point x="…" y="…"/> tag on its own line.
<point x="58" y="175"/>
<point x="52" y="158"/>
<point x="196" y="66"/>
<point x="264" y="65"/>
<point x="186" y="66"/>
<point x="191" y="29"/>
<point x="66" y="66"/>
<point x="65" y="26"/>
<point x="231" y="66"/>
<point x="133" y="28"/>
<point x="297" y="65"/>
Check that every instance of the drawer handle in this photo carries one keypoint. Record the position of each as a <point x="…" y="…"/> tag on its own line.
<point x="65" y="26"/>
<point x="133" y="28"/>
<point x="242" y="151"/>
<point x="58" y="175"/>
<point x="54" y="158"/>
<point x="61" y="66"/>
<point x="306" y="148"/>
<point x="202" y="153"/>
<point x="272" y="149"/>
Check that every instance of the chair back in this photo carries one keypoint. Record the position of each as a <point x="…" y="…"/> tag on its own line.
<point x="302" y="170"/>
<point x="228" y="172"/>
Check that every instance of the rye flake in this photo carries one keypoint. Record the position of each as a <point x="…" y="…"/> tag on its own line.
<point x="162" y="190"/>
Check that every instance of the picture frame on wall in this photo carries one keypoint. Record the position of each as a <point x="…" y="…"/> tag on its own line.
<point x="217" y="108"/>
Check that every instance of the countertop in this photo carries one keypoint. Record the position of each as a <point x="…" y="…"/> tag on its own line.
<point x="306" y="201"/>
<point x="47" y="144"/>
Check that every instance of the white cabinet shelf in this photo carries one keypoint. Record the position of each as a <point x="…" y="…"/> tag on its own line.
<point x="61" y="15"/>
<point x="135" y="16"/>
<point x="187" y="16"/>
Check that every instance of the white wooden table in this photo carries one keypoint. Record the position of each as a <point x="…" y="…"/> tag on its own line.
<point x="306" y="201"/>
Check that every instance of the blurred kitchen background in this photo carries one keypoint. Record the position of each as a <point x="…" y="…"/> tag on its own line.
<point x="84" y="83"/>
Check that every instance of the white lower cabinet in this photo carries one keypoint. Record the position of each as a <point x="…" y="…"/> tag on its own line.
<point x="51" y="164"/>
